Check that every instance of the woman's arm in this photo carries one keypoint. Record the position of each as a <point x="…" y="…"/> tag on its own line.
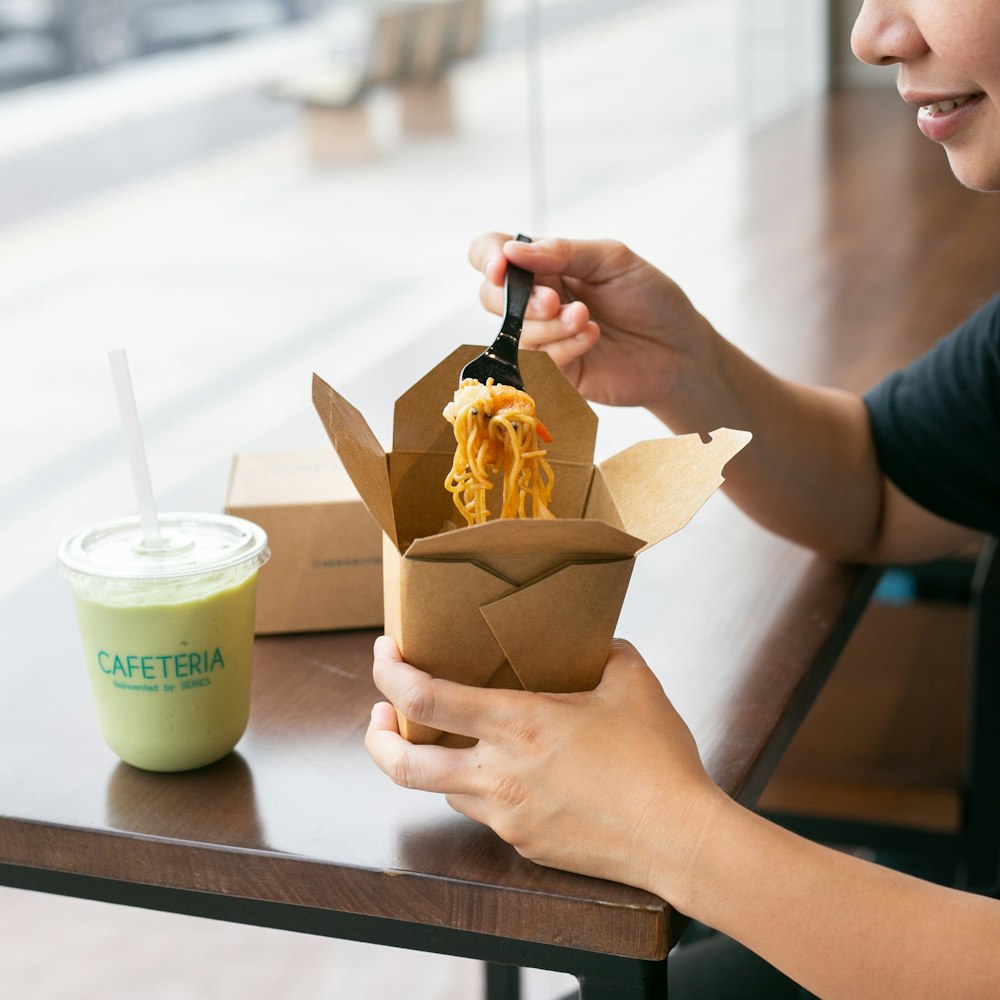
<point x="839" y="926"/>
<point x="811" y="473"/>
<point x="625" y="334"/>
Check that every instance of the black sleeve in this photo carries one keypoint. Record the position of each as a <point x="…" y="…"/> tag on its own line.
<point x="936" y="424"/>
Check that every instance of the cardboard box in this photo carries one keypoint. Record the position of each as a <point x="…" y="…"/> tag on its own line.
<point x="325" y="570"/>
<point x="515" y="603"/>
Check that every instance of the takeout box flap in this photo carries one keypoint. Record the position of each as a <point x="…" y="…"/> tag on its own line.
<point x="654" y="488"/>
<point x="457" y="644"/>
<point x="556" y="633"/>
<point x="418" y="426"/>
<point x="568" y="539"/>
<point x="550" y="633"/>
<point x="360" y="452"/>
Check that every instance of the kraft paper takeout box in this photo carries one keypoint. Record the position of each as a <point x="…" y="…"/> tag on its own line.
<point x="325" y="570"/>
<point x="515" y="603"/>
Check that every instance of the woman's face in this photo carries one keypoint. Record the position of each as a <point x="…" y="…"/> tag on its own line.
<point x="948" y="54"/>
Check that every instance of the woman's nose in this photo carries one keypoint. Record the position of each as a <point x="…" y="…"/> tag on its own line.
<point x="885" y="33"/>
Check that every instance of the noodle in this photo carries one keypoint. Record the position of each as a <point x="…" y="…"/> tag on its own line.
<point x="496" y="430"/>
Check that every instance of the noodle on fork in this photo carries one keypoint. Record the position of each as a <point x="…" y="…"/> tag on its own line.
<point x="497" y="431"/>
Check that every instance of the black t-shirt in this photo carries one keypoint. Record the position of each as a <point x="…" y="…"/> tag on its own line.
<point x="936" y="424"/>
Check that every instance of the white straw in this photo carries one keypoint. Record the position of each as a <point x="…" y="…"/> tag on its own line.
<point x="536" y="123"/>
<point x="136" y="452"/>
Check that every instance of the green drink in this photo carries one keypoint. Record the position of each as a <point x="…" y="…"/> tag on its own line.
<point x="168" y="633"/>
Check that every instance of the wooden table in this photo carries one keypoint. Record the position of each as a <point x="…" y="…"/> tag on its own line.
<point x="840" y="279"/>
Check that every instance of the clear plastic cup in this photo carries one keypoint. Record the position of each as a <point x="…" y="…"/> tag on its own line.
<point x="168" y="633"/>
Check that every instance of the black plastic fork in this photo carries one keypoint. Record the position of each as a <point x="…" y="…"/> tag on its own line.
<point x="499" y="360"/>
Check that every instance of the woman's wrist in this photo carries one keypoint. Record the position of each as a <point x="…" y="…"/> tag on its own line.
<point x="702" y="393"/>
<point x="678" y="842"/>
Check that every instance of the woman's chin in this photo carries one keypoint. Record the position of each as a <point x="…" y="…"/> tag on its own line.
<point x="975" y="173"/>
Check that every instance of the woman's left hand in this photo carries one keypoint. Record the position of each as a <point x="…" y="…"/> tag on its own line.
<point x="598" y="782"/>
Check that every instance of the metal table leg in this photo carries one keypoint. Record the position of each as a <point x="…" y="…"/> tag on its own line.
<point x="503" y="982"/>
<point x="650" y="983"/>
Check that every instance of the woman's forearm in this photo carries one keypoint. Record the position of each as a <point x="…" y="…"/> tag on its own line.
<point x="810" y="473"/>
<point x="837" y="925"/>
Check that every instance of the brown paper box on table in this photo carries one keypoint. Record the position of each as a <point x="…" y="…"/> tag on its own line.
<point x="325" y="570"/>
<point x="527" y="604"/>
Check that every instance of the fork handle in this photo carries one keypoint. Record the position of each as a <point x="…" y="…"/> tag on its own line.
<point x="517" y="287"/>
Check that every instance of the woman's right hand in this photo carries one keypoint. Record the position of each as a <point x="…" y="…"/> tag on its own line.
<point x="620" y="329"/>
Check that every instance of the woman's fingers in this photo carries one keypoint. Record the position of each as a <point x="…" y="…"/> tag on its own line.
<point x="486" y="255"/>
<point x="430" y="768"/>
<point x="592" y="261"/>
<point x="547" y="320"/>
<point x="544" y="303"/>
<point x="475" y="807"/>
<point x="545" y="309"/>
<point x="624" y="661"/>
<point x="480" y="713"/>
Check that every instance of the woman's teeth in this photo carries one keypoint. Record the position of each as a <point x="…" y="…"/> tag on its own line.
<point x="945" y="106"/>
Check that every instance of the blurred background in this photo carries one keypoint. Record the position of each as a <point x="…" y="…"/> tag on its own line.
<point x="242" y="192"/>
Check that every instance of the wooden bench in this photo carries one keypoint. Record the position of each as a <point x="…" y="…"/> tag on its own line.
<point x="410" y="47"/>
<point x="899" y="754"/>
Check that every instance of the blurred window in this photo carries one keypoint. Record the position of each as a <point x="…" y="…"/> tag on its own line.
<point x="241" y="192"/>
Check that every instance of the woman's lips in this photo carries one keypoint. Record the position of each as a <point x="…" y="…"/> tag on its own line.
<point x="939" y="121"/>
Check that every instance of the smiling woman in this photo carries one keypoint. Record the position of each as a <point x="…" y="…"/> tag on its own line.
<point x="948" y="70"/>
<point x="231" y="273"/>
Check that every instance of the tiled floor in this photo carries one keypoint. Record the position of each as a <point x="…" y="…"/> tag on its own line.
<point x="234" y="275"/>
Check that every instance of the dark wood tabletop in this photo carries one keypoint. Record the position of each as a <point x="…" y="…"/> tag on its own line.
<point x="853" y="251"/>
